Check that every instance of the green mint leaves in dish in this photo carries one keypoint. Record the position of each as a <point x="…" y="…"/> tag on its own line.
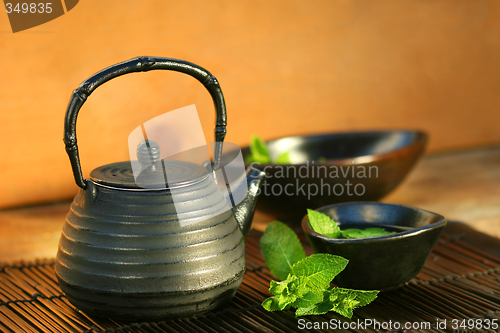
<point x="323" y="224"/>
<point x="283" y="159"/>
<point x="365" y="233"/>
<point x="306" y="281"/>
<point x="258" y="150"/>
<point x="260" y="153"/>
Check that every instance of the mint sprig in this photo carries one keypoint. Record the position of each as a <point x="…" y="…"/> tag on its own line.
<point x="306" y="280"/>
<point x="325" y="225"/>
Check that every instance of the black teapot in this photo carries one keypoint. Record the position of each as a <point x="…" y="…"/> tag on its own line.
<point x="123" y="252"/>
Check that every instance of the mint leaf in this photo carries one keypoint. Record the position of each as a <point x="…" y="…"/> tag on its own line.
<point x="352" y="233"/>
<point x="281" y="249"/>
<point x="368" y="232"/>
<point x="376" y="232"/>
<point x="286" y="292"/>
<point x="319" y="269"/>
<point x="323" y="224"/>
<point x="308" y="299"/>
<point x="344" y="301"/>
<point x="277" y="288"/>
<point x="364" y="297"/>
<point x="283" y="159"/>
<point x="292" y="286"/>
<point x="344" y="307"/>
<point x="259" y="151"/>
<point x="271" y="304"/>
<point x="316" y="309"/>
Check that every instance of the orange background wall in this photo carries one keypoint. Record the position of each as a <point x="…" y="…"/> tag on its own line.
<point x="285" y="67"/>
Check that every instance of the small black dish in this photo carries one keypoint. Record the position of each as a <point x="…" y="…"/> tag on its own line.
<point x="332" y="168"/>
<point x="379" y="263"/>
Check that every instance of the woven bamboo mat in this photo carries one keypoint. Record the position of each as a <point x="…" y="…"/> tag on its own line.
<point x="460" y="280"/>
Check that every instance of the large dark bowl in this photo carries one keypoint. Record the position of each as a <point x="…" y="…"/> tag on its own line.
<point x="386" y="157"/>
<point x="379" y="263"/>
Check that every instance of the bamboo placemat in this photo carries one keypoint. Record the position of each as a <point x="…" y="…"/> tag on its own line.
<point x="460" y="280"/>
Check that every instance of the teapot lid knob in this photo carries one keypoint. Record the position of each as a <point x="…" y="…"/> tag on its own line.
<point x="152" y="174"/>
<point x="148" y="153"/>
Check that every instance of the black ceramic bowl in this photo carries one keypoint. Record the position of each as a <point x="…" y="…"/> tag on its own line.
<point x="355" y="166"/>
<point x="379" y="263"/>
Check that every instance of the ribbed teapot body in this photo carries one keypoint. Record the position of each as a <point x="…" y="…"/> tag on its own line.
<point x="128" y="255"/>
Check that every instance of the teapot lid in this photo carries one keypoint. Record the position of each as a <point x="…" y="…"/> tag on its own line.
<point x="149" y="172"/>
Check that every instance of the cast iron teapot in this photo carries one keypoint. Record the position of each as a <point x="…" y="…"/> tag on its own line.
<point x="123" y="252"/>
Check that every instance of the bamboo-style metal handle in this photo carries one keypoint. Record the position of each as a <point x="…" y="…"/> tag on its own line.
<point x="140" y="64"/>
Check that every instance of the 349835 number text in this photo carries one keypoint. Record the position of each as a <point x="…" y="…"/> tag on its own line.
<point x="31" y="7"/>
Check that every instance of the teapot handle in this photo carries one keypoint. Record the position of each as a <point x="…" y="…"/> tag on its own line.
<point x="140" y="64"/>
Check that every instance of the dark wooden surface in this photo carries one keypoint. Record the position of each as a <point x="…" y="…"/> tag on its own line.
<point x="461" y="185"/>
